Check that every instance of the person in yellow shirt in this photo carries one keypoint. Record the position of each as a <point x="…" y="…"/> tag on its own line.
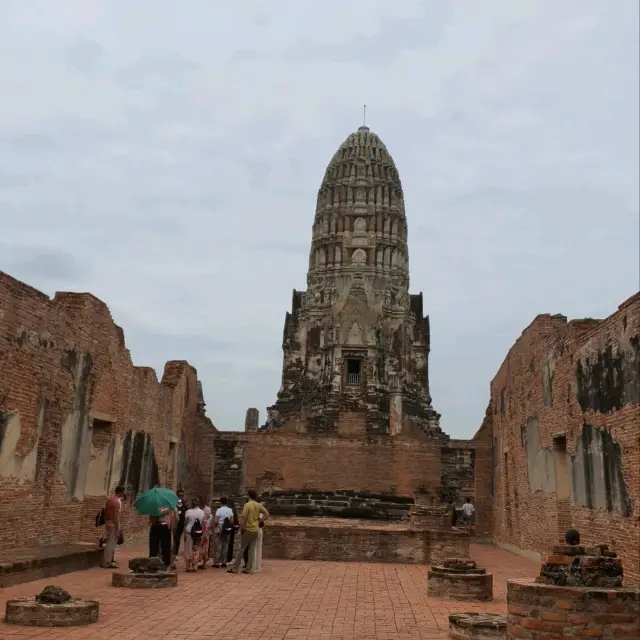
<point x="249" y="527"/>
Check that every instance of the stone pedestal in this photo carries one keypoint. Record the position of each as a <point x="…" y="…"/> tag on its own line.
<point x="538" y="611"/>
<point x="30" y="612"/>
<point x="477" y="626"/>
<point x="157" y="580"/>
<point x="459" y="579"/>
<point x="578" y="594"/>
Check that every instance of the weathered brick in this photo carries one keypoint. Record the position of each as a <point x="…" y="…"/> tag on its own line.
<point x="77" y="417"/>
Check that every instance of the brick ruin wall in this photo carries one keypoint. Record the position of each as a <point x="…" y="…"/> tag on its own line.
<point x="320" y="473"/>
<point x="563" y="432"/>
<point x="77" y="417"/>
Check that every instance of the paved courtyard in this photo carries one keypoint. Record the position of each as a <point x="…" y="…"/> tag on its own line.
<point x="286" y="601"/>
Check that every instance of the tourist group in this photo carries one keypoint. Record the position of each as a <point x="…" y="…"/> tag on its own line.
<point x="207" y="535"/>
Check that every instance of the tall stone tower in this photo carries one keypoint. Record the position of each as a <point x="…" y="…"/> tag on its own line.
<point x="356" y="344"/>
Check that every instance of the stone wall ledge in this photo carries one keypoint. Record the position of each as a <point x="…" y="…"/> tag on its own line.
<point x="36" y="563"/>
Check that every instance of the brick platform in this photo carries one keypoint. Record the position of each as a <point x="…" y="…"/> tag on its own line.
<point x="130" y="580"/>
<point x="537" y="611"/>
<point x="459" y="580"/>
<point x="350" y="540"/>
<point x="25" y="565"/>
<point x="477" y="626"/>
<point x="292" y="600"/>
<point x="28" y="612"/>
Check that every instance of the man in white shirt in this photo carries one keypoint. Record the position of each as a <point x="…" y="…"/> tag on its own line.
<point x="467" y="512"/>
<point x="193" y="517"/>
<point x="223" y="526"/>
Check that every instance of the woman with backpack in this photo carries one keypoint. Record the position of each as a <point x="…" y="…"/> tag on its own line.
<point x="193" y="532"/>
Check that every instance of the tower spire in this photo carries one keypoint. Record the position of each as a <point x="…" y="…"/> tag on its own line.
<point x="364" y="116"/>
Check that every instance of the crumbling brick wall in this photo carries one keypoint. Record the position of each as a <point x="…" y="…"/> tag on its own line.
<point x="566" y="435"/>
<point x="76" y="418"/>
<point x="400" y="466"/>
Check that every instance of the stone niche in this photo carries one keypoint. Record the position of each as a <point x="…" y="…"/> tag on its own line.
<point x="578" y="594"/>
<point x="52" y="607"/>
<point x="459" y="579"/>
<point x="145" y="573"/>
<point x="477" y="626"/>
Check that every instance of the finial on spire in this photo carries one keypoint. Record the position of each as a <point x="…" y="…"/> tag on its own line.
<point x="364" y="127"/>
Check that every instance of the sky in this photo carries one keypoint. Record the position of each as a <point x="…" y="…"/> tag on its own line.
<point x="166" y="157"/>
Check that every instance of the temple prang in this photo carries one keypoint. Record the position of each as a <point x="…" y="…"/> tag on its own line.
<point x="356" y="340"/>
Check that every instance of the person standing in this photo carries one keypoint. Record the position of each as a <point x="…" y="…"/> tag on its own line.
<point x="181" y="510"/>
<point x="249" y="528"/>
<point x="223" y="523"/>
<point x="160" y="536"/>
<point x="193" y="535"/>
<point x="234" y="532"/>
<point x="207" y="533"/>
<point x="467" y="512"/>
<point x="112" y="511"/>
<point x="452" y="512"/>
<point x="257" y="564"/>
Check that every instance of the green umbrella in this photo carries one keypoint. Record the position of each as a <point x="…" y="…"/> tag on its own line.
<point x="155" y="501"/>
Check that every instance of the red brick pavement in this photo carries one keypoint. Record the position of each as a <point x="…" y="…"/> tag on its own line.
<point x="286" y="601"/>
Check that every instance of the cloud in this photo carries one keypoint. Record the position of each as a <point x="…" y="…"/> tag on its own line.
<point x="41" y="263"/>
<point x="168" y="158"/>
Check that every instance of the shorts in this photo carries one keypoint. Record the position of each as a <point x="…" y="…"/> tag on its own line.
<point x="465" y="519"/>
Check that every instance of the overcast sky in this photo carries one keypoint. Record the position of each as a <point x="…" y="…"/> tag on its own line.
<point x="166" y="156"/>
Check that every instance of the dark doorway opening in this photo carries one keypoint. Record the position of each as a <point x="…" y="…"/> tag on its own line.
<point x="354" y="373"/>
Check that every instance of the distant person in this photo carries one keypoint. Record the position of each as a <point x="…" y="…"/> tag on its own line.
<point x="467" y="512"/>
<point x="193" y="535"/>
<point x="235" y="533"/>
<point x="112" y="511"/>
<point x="181" y="510"/>
<point x="207" y="536"/>
<point x="453" y="513"/>
<point x="249" y="528"/>
<point x="257" y="555"/>
<point x="224" y="524"/>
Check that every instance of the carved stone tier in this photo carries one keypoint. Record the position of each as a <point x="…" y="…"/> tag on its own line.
<point x="459" y="579"/>
<point x="145" y="573"/>
<point x="540" y="611"/>
<point x="477" y="626"/>
<point x="578" y="594"/>
<point x="53" y="607"/>
<point x="130" y="580"/>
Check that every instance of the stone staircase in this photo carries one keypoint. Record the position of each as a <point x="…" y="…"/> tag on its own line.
<point x="310" y="395"/>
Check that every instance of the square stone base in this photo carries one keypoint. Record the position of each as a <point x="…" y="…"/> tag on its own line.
<point x="342" y="540"/>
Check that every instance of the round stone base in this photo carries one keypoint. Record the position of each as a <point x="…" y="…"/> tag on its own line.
<point x="477" y="626"/>
<point x="130" y="580"/>
<point x="452" y="584"/>
<point x="28" y="612"/>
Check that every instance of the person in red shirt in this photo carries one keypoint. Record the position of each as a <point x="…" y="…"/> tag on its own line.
<point x="112" y="510"/>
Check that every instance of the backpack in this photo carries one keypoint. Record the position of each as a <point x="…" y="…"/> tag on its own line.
<point x="227" y="526"/>
<point x="196" y="529"/>
<point x="100" y="518"/>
